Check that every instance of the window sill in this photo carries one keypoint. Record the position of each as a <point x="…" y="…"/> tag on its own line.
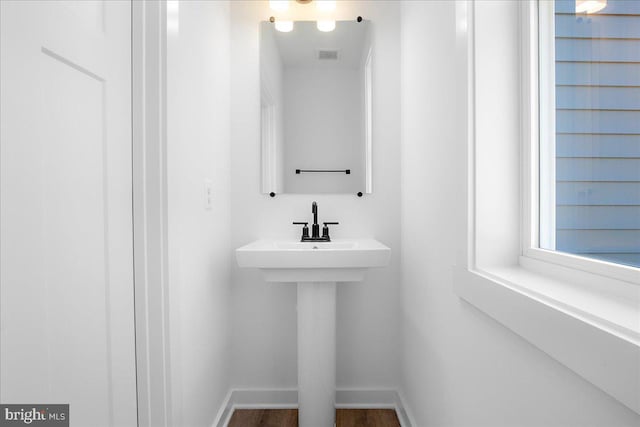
<point x="591" y="330"/>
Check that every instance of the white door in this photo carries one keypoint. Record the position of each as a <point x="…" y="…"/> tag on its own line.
<point x="66" y="256"/>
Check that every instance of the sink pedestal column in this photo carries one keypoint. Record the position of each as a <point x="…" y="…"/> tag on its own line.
<point x="316" y="354"/>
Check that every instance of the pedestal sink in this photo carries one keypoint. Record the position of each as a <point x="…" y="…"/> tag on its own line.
<point x="316" y="267"/>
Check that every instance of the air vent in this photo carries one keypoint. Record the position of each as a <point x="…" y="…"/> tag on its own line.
<point x="325" y="54"/>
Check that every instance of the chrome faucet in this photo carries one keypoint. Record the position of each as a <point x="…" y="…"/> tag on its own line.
<point x="315" y="228"/>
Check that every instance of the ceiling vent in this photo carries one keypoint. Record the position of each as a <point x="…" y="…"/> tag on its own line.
<point x="327" y="54"/>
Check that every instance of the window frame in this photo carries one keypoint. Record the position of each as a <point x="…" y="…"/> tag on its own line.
<point x="534" y="148"/>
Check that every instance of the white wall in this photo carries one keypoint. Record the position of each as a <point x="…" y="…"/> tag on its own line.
<point x="263" y="315"/>
<point x="198" y="146"/>
<point x="459" y="367"/>
<point x="323" y="129"/>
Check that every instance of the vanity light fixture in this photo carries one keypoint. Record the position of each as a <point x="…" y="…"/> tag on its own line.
<point x="325" y="7"/>
<point x="279" y="5"/>
<point x="326" y="25"/>
<point x="590" y="6"/>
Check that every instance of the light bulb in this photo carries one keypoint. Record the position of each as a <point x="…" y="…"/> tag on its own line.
<point x="590" y="6"/>
<point x="326" y="5"/>
<point x="279" y="5"/>
<point x="284" y="26"/>
<point x="326" y="25"/>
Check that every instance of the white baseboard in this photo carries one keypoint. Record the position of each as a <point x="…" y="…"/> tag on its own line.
<point x="288" y="399"/>
<point x="365" y="398"/>
<point x="225" y="412"/>
<point x="255" y="399"/>
<point x="404" y="413"/>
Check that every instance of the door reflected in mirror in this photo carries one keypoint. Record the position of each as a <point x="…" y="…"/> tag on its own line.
<point x="316" y="116"/>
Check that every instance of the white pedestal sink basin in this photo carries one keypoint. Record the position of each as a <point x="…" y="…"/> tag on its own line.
<point x="291" y="261"/>
<point x="315" y="267"/>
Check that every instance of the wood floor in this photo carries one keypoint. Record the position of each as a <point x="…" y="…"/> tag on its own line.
<point x="289" y="418"/>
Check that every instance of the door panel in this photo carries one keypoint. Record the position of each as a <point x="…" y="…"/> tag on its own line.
<point x="66" y="256"/>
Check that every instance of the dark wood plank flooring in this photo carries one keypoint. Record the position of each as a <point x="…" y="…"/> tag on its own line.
<point x="264" y="418"/>
<point x="289" y="418"/>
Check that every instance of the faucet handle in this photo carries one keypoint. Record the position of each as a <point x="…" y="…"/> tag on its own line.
<point x="305" y="229"/>
<point x="325" y="229"/>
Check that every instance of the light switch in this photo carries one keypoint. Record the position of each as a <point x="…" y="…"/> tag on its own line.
<point x="208" y="194"/>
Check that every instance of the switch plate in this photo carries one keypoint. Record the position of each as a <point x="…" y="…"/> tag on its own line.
<point x="208" y="194"/>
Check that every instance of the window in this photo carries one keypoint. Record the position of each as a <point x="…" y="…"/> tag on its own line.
<point x="589" y="131"/>
<point x="580" y="310"/>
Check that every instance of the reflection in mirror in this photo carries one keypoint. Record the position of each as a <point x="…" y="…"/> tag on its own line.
<point x="316" y="116"/>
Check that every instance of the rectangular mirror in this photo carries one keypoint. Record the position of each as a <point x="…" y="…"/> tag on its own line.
<point x="316" y="108"/>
